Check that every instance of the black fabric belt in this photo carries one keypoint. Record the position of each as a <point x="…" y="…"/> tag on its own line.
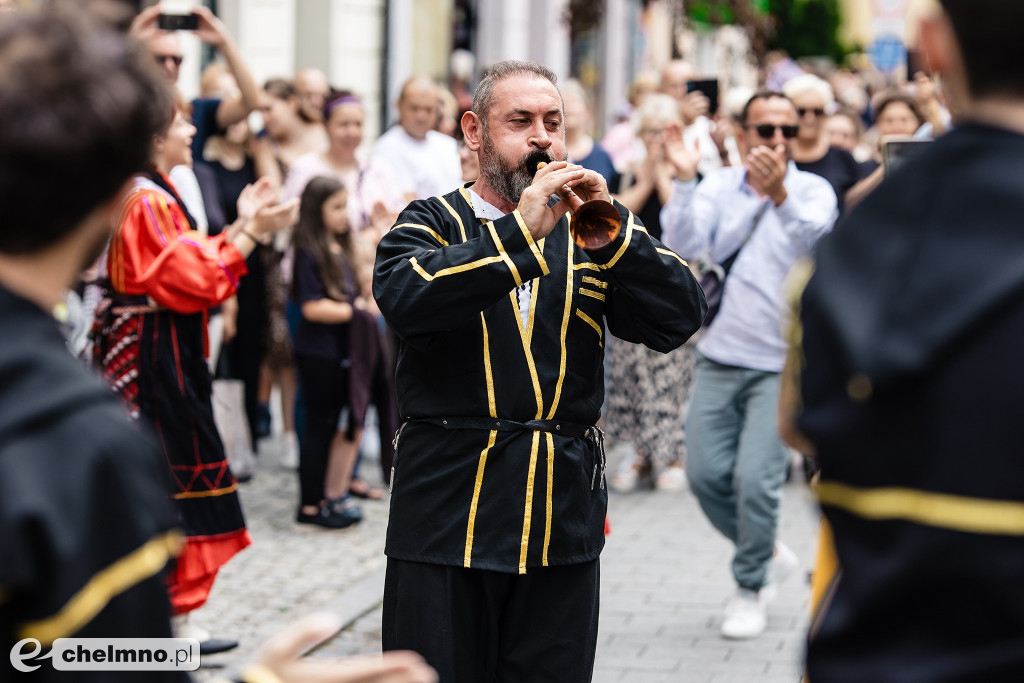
<point x="560" y="427"/>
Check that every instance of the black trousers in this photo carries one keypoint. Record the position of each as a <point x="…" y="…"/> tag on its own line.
<point x="479" y="626"/>
<point x="325" y="390"/>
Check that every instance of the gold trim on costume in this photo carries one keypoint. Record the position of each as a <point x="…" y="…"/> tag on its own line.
<point x="432" y="232"/>
<point x="594" y="281"/>
<point x="108" y="583"/>
<point x="592" y="294"/>
<point x="585" y="265"/>
<point x="206" y="494"/>
<point x="471" y="524"/>
<point x="534" y="249"/>
<point x="453" y="212"/>
<point x="529" y="355"/>
<point x="590" y="321"/>
<point x="946" y="511"/>
<point x="488" y="374"/>
<point x="570" y="272"/>
<point x="503" y="254"/>
<point x="548" y="502"/>
<point x="625" y="243"/>
<point x="453" y="269"/>
<point x="528" y="514"/>
<point x="669" y="252"/>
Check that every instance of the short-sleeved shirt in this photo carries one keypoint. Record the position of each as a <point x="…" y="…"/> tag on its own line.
<point x="319" y="340"/>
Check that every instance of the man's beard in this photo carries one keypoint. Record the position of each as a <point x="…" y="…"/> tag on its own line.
<point x="508" y="180"/>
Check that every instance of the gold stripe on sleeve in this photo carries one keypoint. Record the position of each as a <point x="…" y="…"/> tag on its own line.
<point x="945" y="511"/>
<point x="590" y="321"/>
<point x="105" y="585"/>
<point x="471" y="524"/>
<point x="570" y="271"/>
<point x="625" y="243"/>
<point x="669" y="252"/>
<point x="454" y="269"/>
<point x="528" y="514"/>
<point x="534" y="249"/>
<point x="504" y="256"/>
<point x="433" y="233"/>
<point x="592" y="294"/>
<point x="548" y="502"/>
<point x="453" y="212"/>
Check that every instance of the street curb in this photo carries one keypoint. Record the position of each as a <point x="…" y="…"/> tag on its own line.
<point x="358" y="599"/>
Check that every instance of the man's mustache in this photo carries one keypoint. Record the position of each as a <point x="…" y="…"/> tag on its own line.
<point x="529" y="163"/>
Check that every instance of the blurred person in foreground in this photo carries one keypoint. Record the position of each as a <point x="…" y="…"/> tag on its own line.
<point x="425" y="163"/>
<point x="910" y="386"/>
<point x="85" y="526"/>
<point x="497" y="515"/>
<point x="772" y="213"/>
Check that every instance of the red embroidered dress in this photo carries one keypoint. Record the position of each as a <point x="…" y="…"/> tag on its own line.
<point x="151" y="349"/>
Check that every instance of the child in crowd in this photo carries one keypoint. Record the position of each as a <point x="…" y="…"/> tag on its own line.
<point x="325" y="284"/>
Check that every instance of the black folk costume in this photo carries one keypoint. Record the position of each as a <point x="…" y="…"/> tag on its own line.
<point x="912" y="393"/>
<point x="499" y="466"/>
<point x="86" y="528"/>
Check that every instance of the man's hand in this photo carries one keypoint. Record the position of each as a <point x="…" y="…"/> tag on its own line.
<point x="282" y="655"/>
<point x="766" y="169"/>
<point x="533" y="205"/>
<point x="683" y="160"/>
<point x="693" y="105"/>
<point x="144" y="25"/>
<point x="211" y="30"/>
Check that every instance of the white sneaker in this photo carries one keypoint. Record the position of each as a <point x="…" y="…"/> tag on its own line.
<point x="744" y="616"/>
<point x="781" y="566"/>
<point x="290" y="451"/>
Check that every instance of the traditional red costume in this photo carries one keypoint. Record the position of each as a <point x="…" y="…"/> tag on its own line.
<point x="151" y="347"/>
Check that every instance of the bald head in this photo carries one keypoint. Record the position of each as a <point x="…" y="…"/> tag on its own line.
<point x="312" y="87"/>
<point x="674" y="76"/>
<point x="418" y="106"/>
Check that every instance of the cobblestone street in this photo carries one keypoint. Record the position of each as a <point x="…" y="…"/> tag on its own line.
<point x="665" y="582"/>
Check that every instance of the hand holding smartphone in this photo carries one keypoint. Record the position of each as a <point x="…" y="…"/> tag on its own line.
<point x="177" y="16"/>
<point x="709" y="88"/>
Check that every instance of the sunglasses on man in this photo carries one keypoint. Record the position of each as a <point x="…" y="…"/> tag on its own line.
<point x="767" y="130"/>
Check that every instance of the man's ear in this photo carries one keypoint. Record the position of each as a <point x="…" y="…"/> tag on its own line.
<point x="472" y="131"/>
<point x="941" y="49"/>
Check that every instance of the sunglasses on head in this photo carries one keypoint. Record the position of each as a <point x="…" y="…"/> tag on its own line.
<point x="177" y="59"/>
<point x="767" y="130"/>
<point x="801" y="112"/>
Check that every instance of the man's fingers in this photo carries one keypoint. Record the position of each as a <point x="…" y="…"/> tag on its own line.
<point x="300" y="637"/>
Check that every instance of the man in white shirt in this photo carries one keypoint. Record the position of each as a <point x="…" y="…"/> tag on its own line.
<point x="736" y="462"/>
<point x="425" y="163"/>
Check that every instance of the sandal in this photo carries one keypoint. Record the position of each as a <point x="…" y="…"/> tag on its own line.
<point x="360" y="488"/>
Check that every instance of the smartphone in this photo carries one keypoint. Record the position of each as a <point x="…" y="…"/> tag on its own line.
<point x="710" y="90"/>
<point x="178" y="22"/>
<point x="896" y="153"/>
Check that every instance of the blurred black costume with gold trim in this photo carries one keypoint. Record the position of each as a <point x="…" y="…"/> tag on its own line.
<point x="912" y="394"/>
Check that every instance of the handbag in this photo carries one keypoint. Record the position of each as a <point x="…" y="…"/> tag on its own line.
<point x="712" y="275"/>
